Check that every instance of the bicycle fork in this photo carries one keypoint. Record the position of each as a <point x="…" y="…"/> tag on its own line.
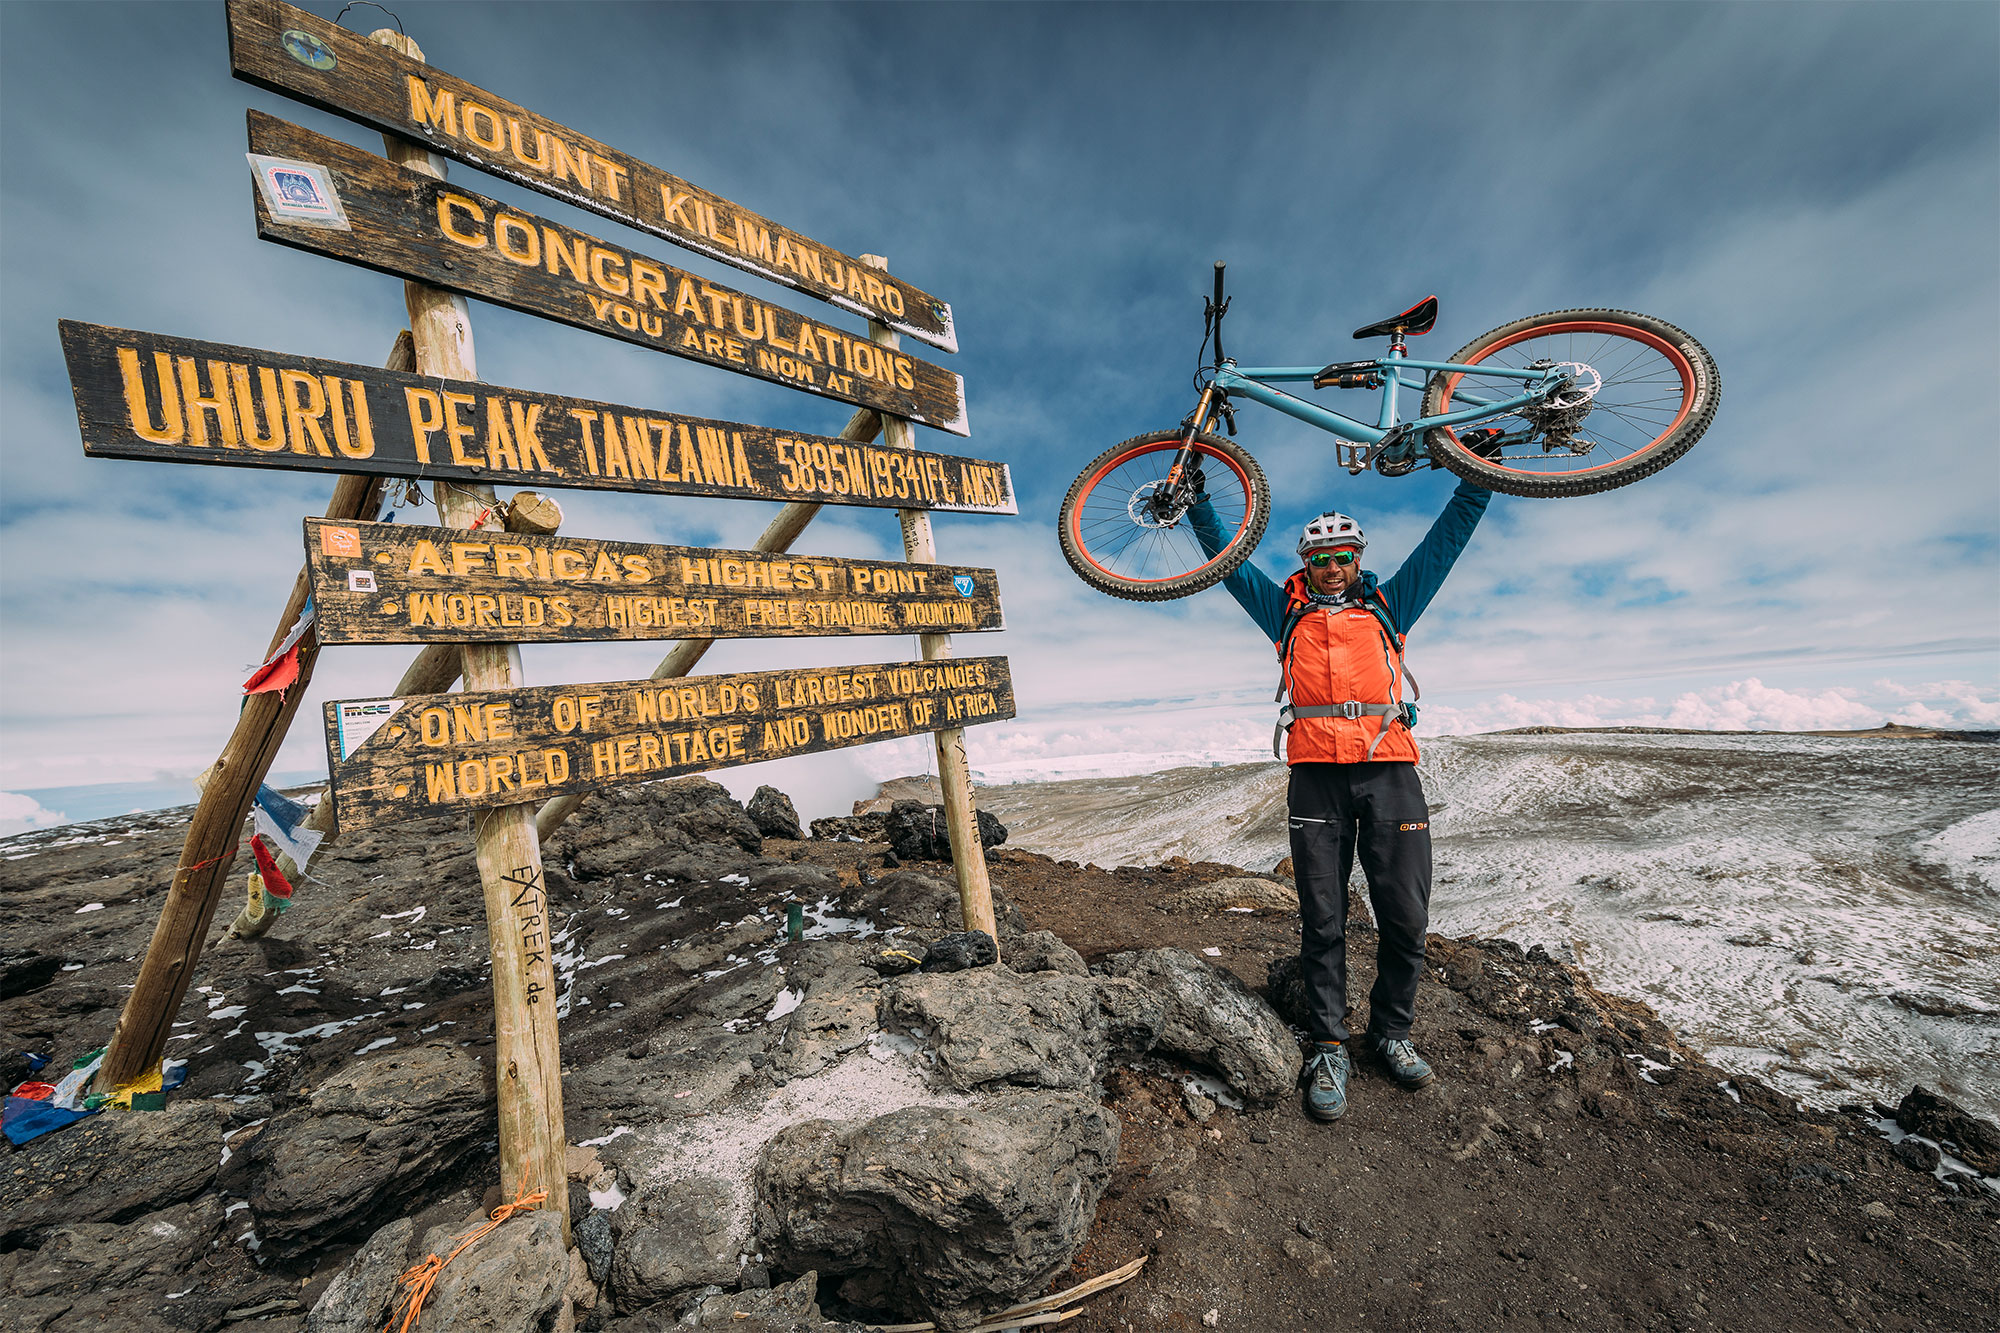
<point x="1175" y="496"/>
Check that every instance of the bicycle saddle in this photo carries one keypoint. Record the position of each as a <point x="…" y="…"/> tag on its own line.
<point x="1416" y="320"/>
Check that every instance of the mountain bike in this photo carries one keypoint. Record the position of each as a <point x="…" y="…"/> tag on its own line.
<point x="1567" y="403"/>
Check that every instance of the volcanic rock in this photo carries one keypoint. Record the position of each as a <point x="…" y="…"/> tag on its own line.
<point x="956" y="953"/>
<point x="673" y="1236"/>
<point x="362" y="1144"/>
<point x="918" y="832"/>
<point x="1258" y="894"/>
<point x="991" y="1025"/>
<point x="1974" y="1141"/>
<point x="510" y="1281"/>
<point x="774" y="815"/>
<point x="110" y="1168"/>
<point x="1042" y="951"/>
<point x="359" y="1297"/>
<point x="954" y="1211"/>
<point x="1215" y="1021"/>
<point x="622" y="830"/>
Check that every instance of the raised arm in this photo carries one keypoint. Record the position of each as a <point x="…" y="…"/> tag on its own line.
<point x="1256" y="594"/>
<point x="1410" y="590"/>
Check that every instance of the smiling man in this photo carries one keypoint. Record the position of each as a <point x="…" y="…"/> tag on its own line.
<point x="1354" y="787"/>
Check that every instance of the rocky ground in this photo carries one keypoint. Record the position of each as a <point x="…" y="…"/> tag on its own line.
<point x="774" y="1134"/>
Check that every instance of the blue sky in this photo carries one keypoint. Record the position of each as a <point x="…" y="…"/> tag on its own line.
<point x="1811" y="190"/>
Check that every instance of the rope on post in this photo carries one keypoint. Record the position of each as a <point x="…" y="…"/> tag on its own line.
<point x="419" y="1278"/>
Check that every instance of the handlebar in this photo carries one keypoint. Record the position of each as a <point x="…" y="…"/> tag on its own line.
<point x="1216" y="311"/>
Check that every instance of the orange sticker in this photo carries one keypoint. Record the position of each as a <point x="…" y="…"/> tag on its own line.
<point x="340" y="541"/>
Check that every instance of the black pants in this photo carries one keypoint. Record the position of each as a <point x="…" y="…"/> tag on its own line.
<point x="1378" y="808"/>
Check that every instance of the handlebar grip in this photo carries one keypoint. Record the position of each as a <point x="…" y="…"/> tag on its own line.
<point x="1218" y="281"/>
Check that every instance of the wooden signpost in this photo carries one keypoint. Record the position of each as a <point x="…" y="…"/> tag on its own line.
<point x="399" y="583"/>
<point x="287" y="50"/>
<point x="518" y="759"/>
<point x="398" y="759"/>
<point x="177" y="400"/>
<point x="414" y="226"/>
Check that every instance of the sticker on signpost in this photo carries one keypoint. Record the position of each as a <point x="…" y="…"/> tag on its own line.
<point x="300" y="193"/>
<point x="361" y="719"/>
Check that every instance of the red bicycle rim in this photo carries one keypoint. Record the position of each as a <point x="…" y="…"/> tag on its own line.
<point x="1655" y="341"/>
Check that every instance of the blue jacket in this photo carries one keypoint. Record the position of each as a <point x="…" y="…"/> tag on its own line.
<point x="1408" y="591"/>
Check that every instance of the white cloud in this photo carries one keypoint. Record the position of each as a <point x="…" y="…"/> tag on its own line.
<point x="18" y="814"/>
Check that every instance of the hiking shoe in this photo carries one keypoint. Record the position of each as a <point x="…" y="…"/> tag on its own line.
<point x="1409" y="1069"/>
<point x="1326" y="1083"/>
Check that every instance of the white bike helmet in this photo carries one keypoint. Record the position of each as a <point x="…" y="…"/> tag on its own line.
<point x="1331" y="529"/>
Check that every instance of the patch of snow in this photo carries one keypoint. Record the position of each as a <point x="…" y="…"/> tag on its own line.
<point x="72" y="967"/>
<point x="788" y="1000"/>
<point x="1563" y="1061"/>
<point x="89" y="907"/>
<point x="376" y="1045"/>
<point x="619" y="1132"/>
<point x="607" y="1198"/>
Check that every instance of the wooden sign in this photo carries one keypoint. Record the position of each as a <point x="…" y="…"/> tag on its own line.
<point x="176" y="400"/>
<point x="413" y="226"/>
<point x="396" y="759"/>
<point x="399" y="583"/>
<point x="289" y="51"/>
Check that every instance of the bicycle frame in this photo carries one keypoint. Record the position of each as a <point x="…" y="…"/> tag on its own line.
<point x="1366" y="441"/>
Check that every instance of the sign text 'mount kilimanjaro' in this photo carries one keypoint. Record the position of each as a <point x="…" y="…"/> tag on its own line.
<point x="279" y="47"/>
<point x="399" y="583"/>
<point x="394" y="759"/>
<point x="414" y="226"/>
<point x="176" y="400"/>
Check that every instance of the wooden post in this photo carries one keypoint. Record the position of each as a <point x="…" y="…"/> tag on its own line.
<point x="228" y="788"/>
<point x="968" y="856"/>
<point x="527" y="1061"/>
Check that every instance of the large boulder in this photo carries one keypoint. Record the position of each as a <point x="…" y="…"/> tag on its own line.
<point x="991" y="1025"/>
<point x="951" y="1213"/>
<point x="358" y="1298"/>
<point x="1215" y="1021"/>
<point x="1042" y="951"/>
<point x="917" y="832"/>
<point x="510" y="1281"/>
<point x="375" y="1140"/>
<point x="111" y="1168"/>
<point x="774" y="815"/>
<point x="652" y="827"/>
<point x="790" y="1307"/>
<point x="672" y="1236"/>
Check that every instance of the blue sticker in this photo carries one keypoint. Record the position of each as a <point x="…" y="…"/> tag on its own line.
<point x="962" y="582"/>
<point x="307" y="49"/>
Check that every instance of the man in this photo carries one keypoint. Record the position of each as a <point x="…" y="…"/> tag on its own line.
<point x="1353" y="771"/>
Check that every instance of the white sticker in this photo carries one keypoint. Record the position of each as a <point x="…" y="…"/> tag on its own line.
<point x="298" y="193"/>
<point x="359" y="720"/>
<point x="361" y="580"/>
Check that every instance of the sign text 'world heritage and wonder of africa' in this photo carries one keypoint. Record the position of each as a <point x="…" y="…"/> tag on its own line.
<point x="414" y="226"/>
<point x="176" y="400"/>
<point x="399" y="583"/>
<point x="301" y="55"/>
<point x="396" y="759"/>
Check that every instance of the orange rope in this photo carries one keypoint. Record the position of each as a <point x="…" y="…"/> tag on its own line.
<point x="418" y="1280"/>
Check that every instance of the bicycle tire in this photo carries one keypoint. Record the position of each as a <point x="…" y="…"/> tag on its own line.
<point x="1694" y="409"/>
<point x="1090" y="543"/>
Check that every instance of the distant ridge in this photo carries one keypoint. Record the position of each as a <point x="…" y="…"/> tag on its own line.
<point x="1888" y="731"/>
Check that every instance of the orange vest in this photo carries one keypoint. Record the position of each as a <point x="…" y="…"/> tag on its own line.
<point x="1333" y="656"/>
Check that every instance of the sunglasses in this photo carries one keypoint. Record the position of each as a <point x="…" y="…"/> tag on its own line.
<point x="1343" y="558"/>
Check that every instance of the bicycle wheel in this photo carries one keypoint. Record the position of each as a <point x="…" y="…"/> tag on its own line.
<point x="1647" y="391"/>
<point x="1117" y="544"/>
